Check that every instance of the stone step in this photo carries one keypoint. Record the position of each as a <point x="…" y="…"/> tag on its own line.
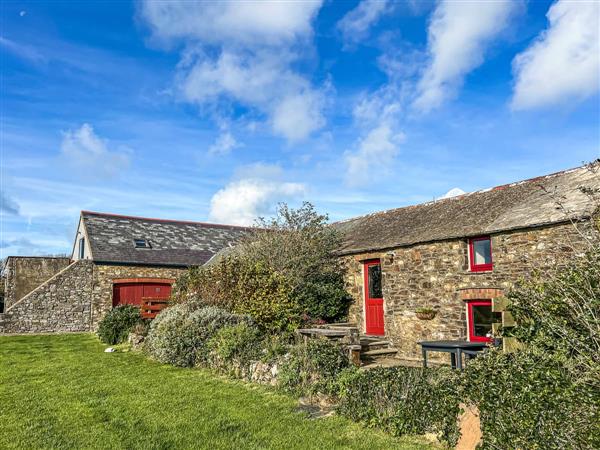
<point x="379" y="352"/>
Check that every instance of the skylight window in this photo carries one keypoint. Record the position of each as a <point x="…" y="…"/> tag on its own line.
<point x="141" y="243"/>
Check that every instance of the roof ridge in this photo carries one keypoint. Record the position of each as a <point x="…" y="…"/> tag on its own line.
<point x="153" y="219"/>
<point x="480" y="191"/>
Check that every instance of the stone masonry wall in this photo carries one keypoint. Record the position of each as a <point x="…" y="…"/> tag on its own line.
<point x="437" y="275"/>
<point x="60" y="304"/>
<point x="103" y="284"/>
<point x="24" y="274"/>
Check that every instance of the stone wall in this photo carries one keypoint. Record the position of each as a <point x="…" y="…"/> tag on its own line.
<point x="437" y="275"/>
<point x="103" y="284"/>
<point x="60" y="304"/>
<point x="24" y="273"/>
<point x="75" y="299"/>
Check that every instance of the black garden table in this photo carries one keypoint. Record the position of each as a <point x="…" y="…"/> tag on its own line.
<point x="455" y="348"/>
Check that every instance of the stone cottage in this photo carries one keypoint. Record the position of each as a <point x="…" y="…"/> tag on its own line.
<point x="116" y="260"/>
<point x="455" y="255"/>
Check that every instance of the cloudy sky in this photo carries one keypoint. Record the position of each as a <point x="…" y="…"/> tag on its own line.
<point x="216" y="111"/>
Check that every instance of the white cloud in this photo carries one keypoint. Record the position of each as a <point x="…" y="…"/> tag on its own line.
<point x="376" y="152"/>
<point x="356" y="23"/>
<point x="255" y="193"/>
<point x="224" y="144"/>
<point x="454" y="192"/>
<point x="88" y="154"/>
<point x="564" y="61"/>
<point x="459" y="33"/>
<point x="243" y="52"/>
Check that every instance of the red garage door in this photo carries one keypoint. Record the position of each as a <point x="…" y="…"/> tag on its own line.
<point x="131" y="292"/>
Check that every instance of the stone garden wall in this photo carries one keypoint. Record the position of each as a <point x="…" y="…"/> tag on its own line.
<point x="60" y="304"/>
<point x="23" y="274"/>
<point x="437" y="275"/>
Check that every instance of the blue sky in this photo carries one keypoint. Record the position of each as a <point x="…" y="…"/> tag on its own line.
<point x="216" y="111"/>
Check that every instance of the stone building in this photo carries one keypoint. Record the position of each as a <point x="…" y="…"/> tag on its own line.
<point x="115" y="260"/>
<point x="455" y="255"/>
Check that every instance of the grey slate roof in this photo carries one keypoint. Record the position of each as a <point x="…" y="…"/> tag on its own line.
<point x="173" y="243"/>
<point x="524" y="204"/>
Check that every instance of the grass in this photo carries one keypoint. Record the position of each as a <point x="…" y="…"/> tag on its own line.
<point x="65" y="392"/>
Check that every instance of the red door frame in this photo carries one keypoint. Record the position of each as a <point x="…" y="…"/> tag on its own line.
<point x="480" y="267"/>
<point x="470" y="305"/>
<point x="374" y="323"/>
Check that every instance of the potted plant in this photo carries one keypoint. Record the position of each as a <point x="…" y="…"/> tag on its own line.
<point x="425" y="313"/>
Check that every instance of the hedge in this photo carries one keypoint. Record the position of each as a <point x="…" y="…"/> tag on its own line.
<point x="404" y="400"/>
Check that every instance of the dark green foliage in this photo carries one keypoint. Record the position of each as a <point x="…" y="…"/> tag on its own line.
<point x="323" y="297"/>
<point x="118" y="323"/>
<point x="530" y="400"/>
<point x="299" y="244"/>
<point x="179" y="334"/>
<point x="561" y="314"/>
<point x="236" y="346"/>
<point x="548" y="394"/>
<point x="242" y="287"/>
<point x="313" y="367"/>
<point x="404" y="400"/>
<point x="284" y="273"/>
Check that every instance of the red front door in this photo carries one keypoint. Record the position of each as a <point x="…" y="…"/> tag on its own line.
<point x="373" y="298"/>
<point x="131" y="293"/>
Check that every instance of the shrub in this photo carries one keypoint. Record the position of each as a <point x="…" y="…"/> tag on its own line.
<point x="530" y="400"/>
<point x="299" y="244"/>
<point x="243" y="287"/>
<point x="179" y="334"/>
<point x="561" y="314"/>
<point x="118" y="323"/>
<point x="313" y="367"/>
<point x="404" y="400"/>
<point x="236" y="346"/>
<point x="284" y="273"/>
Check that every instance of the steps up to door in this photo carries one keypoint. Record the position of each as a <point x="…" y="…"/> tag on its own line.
<point x="373" y="348"/>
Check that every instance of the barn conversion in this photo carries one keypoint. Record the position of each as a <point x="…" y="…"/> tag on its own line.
<point x="453" y="256"/>
<point x="116" y="260"/>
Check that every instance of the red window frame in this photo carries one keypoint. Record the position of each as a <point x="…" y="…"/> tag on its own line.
<point x="480" y="267"/>
<point x="472" y="336"/>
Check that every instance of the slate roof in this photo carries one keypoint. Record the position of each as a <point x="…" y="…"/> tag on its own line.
<point x="525" y="204"/>
<point x="173" y="243"/>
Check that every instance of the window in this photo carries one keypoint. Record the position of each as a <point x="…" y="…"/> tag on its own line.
<point x="374" y="280"/>
<point x="141" y="243"/>
<point x="480" y="254"/>
<point x="81" y="248"/>
<point x="480" y="319"/>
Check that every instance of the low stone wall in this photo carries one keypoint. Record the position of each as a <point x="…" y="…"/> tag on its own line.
<point x="25" y="273"/>
<point x="60" y="304"/>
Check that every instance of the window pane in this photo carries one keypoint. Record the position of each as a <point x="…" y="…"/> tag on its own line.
<point x="483" y="317"/>
<point x="483" y="251"/>
<point x="375" y="281"/>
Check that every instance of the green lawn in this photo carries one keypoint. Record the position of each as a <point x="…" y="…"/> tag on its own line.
<point x="65" y="392"/>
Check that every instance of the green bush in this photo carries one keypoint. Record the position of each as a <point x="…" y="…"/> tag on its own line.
<point x="530" y="400"/>
<point x="404" y="400"/>
<point x="236" y="346"/>
<point x="242" y="287"/>
<point x="179" y="334"/>
<point x="313" y="367"/>
<point x="118" y="323"/>
<point x="283" y="274"/>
